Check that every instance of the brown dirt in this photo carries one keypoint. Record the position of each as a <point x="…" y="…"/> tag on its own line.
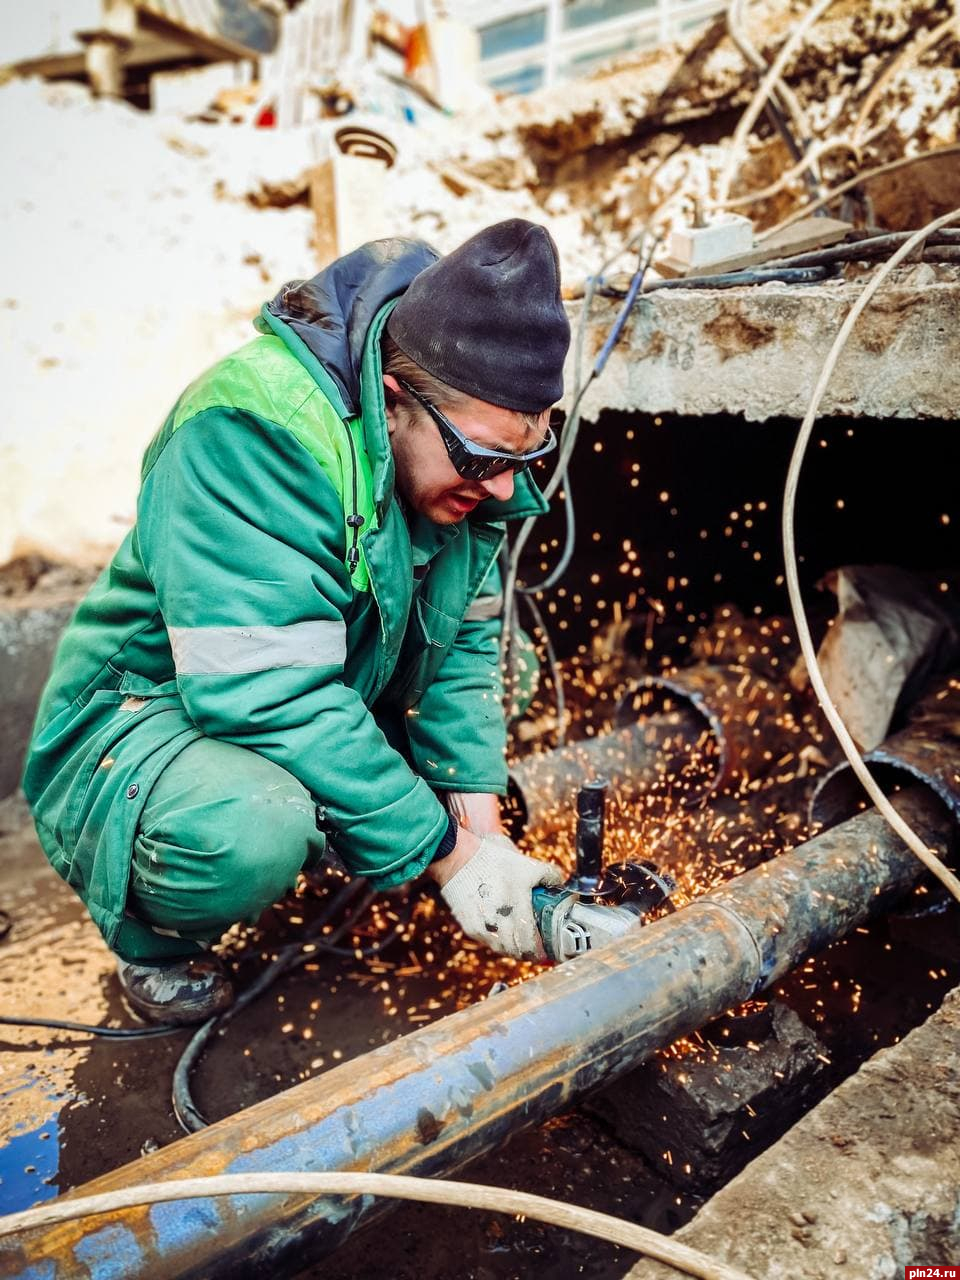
<point x="733" y="334"/>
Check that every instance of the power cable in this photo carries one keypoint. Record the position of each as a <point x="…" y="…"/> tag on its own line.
<point x="818" y="151"/>
<point x="87" y="1029"/>
<point x="561" y="472"/>
<point x="857" y="763"/>
<point x="828" y="197"/>
<point x="556" y="674"/>
<point x="294" y="953"/>
<point x="739" y="279"/>
<point x="781" y="103"/>
<point x="571" y="430"/>
<point x="190" y="1117"/>
<point x="466" y="1195"/>
<point x="859" y="247"/>
<point x="570" y="433"/>
<point x="770" y="80"/>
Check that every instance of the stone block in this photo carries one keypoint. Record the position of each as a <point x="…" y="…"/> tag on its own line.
<point x="699" y="1117"/>
<point x="864" y="1185"/>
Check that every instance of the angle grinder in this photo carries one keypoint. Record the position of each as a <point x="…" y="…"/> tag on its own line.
<point x="597" y="903"/>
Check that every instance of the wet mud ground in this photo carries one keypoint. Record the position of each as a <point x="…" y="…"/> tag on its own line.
<point x="72" y="1107"/>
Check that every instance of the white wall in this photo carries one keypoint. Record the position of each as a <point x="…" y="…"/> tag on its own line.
<point x="35" y="28"/>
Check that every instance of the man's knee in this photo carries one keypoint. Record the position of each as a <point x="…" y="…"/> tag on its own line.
<point x="223" y="834"/>
<point x="265" y="838"/>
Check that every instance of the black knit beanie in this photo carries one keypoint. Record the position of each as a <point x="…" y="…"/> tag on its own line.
<point x="488" y="318"/>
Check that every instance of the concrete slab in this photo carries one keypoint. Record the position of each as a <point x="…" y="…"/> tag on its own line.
<point x="758" y="351"/>
<point x="866" y="1183"/>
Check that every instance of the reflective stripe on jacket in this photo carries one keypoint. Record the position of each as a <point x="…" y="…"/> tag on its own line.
<point x="229" y="611"/>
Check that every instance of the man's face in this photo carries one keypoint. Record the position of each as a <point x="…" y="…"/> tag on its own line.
<point x="426" y="478"/>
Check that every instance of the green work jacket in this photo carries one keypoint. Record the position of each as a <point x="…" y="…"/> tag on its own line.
<point x="230" y="610"/>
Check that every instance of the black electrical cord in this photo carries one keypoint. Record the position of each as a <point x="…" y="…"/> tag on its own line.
<point x="774" y="108"/>
<point x="941" y="246"/>
<point x="84" y="1028"/>
<point x="555" y="673"/>
<point x="562" y="476"/>
<point x="734" y="279"/>
<point x="271" y="973"/>
<point x="188" y="1114"/>
<point x="190" y="1118"/>
<point x="510" y="589"/>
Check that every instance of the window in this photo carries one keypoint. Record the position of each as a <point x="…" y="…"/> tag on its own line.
<point x="513" y="33"/>
<point x="584" y="13"/>
<point x="523" y="81"/>
<point x="584" y="64"/>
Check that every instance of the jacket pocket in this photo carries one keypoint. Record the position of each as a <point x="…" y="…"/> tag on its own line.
<point x="85" y="750"/>
<point x="112" y="713"/>
<point x="430" y="636"/>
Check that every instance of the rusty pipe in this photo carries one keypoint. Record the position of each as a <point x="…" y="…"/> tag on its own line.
<point x="743" y="719"/>
<point x="696" y="730"/>
<point x="632" y="758"/>
<point x="927" y="750"/>
<point x="432" y="1100"/>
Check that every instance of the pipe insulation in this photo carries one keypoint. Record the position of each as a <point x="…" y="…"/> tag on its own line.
<point x="434" y="1099"/>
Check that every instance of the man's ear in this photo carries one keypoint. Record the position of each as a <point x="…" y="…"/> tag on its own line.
<point x="391" y="395"/>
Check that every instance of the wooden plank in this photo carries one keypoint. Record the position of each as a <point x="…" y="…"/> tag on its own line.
<point x="214" y="47"/>
<point x="802" y="237"/>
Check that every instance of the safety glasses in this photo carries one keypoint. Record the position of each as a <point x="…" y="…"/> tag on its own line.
<point x="473" y="461"/>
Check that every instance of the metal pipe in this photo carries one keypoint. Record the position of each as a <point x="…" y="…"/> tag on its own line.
<point x="699" y="728"/>
<point x="633" y="757"/>
<point x="434" y="1099"/>
<point x="744" y="720"/>
<point x="696" y="730"/>
<point x="927" y="751"/>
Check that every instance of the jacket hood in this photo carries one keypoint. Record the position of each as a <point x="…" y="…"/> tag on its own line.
<point x="332" y="312"/>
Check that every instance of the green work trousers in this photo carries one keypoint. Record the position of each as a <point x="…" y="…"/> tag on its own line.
<point x="223" y="834"/>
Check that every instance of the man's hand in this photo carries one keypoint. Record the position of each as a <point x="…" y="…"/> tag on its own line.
<point x="488" y="883"/>
<point x="479" y="811"/>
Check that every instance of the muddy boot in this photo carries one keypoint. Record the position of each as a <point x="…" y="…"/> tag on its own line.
<point x="180" y="991"/>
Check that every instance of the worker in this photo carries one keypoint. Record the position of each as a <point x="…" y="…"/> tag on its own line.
<point x="295" y="648"/>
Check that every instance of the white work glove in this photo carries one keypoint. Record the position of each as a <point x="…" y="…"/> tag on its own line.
<point x="491" y="897"/>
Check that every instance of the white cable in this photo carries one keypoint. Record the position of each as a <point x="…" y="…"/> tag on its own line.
<point x="570" y="433"/>
<point x="467" y="1195"/>
<point x="757" y="103"/>
<point x="937" y="153"/>
<point x="783" y="95"/>
<point x="816" y="153"/>
<point x="903" y="830"/>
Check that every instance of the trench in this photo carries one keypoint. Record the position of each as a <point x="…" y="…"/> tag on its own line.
<point x="645" y="574"/>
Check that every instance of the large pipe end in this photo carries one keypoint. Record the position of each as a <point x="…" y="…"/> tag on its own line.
<point x="927" y="751"/>
<point x="738" y="718"/>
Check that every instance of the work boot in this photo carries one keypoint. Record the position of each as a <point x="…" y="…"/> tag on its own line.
<point x="178" y="991"/>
